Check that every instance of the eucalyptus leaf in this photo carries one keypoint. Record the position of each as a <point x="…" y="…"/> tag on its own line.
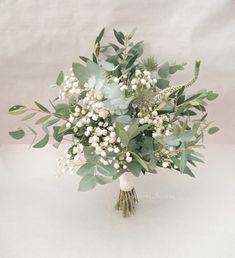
<point x="42" y="142"/>
<point x="17" y="110"/>
<point x="29" y="116"/>
<point x="213" y="130"/>
<point x="87" y="183"/>
<point x="18" y="134"/>
<point x="60" y="78"/>
<point x="102" y="180"/>
<point x="86" y="169"/>
<point x="41" y="107"/>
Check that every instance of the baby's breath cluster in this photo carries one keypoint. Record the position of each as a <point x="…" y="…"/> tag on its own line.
<point x="70" y="86"/>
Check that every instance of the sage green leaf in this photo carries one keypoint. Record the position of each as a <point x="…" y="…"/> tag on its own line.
<point x="42" y="142"/>
<point x="174" y="68"/>
<point x="135" y="168"/>
<point x="51" y="122"/>
<point x="163" y="71"/>
<point x="131" y="62"/>
<point x="135" y="129"/>
<point x="162" y="83"/>
<point x="119" y="36"/>
<point x="100" y="36"/>
<point x="41" y="107"/>
<point x="86" y="169"/>
<point x="58" y="137"/>
<point x="211" y="95"/>
<point x="42" y="119"/>
<point x="32" y="130"/>
<point x="80" y="72"/>
<point x="187" y="135"/>
<point x="123" y="119"/>
<point x="191" y="157"/>
<point x="102" y="180"/>
<point x="18" y="134"/>
<point x="60" y="79"/>
<point x="87" y="183"/>
<point x="183" y="161"/>
<point x="213" y="130"/>
<point x="171" y="140"/>
<point x="85" y="59"/>
<point x="188" y="171"/>
<point x="28" y="116"/>
<point x="122" y="134"/>
<point x="137" y="49"/>
<point x="17" y="110"/>
<point x="89" y="153"/>
<point x="107" y="170"/>
<point x="108" y="66"/>
<point x="142" y="162"/>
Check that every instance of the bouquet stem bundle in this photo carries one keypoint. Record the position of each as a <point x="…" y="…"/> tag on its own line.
<point x="127" y="196"/>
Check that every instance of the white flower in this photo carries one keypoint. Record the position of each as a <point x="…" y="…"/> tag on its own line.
<point x="79" y="124"/>
<point x="116" y="80"/>
<point x="124" y="166"/>
<point x="116" y="150"/>
<point x="165" y="164"/>
<point x="116" y="165"/>
<point x="112" y="134"/>
<point x="103" y="153"/>
<point x="142" y="121"/>
<point x="68" y="125"/>
<point x="129" y="159"/>
<point x="87" y="133"/>
<point x="110" y="149"/>
<point x="143" y="81"/>
<point x="128" y="154"/>
<point x="94" y="117"/>
<point x="134" y="87"/>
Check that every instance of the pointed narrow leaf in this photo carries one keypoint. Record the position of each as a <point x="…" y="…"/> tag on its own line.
<point x="100" y="36"/>
<point x="17" y="110"/>
<point x="41" y="107"/>
<point x="42" y="119"/>
<point x="60" y="78"/>
<point x="28" y="116"/>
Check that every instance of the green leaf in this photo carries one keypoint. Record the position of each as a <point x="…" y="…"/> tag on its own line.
<point x="58" y="137"/>
<point x="60" y="78"/>
<point x="211" y="95"/>
<point x="163" y="71"/>
<point x="131" y="62"/>
<point x="100" y="36"/>
<point x="107" y="170"/>
<point x="137" y="49"/>
<point x="162" y="83"/>
<point x="119" y="36"/>
<point x="51" y="122"/>
<point x="85" y="59"/>
<point x="80" y="72"/>
<point x="87" y="183"/>
<point x="140" y="161"/>
<point x="17" y="110"/>
<point x="42" y="142"/>
<point x="122" y="134"/>
<point x="28" y="116"/>
<point x="213" y="130"/>
<point x="102" y="180"/>
<point x="86" y="169"/>
<point x="41" y="107"/>
<point x="108" y="66"/>
<point x="135" y="168"/>
<point x="171" y="140"/>
<point x="183" y="161"/>
<point x="174" y="68"/>
<point x="187" y="135"/>
<point x="32" y="130"/>
<point x="135" y="129"/>
<point x="42" y="119"/>
<point x="17" y="134"/>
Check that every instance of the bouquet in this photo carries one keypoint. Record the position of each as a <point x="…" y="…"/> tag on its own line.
<point x="123" y="118"/>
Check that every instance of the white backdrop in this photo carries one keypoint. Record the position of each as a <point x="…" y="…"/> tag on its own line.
<point x="40" y="38"/>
